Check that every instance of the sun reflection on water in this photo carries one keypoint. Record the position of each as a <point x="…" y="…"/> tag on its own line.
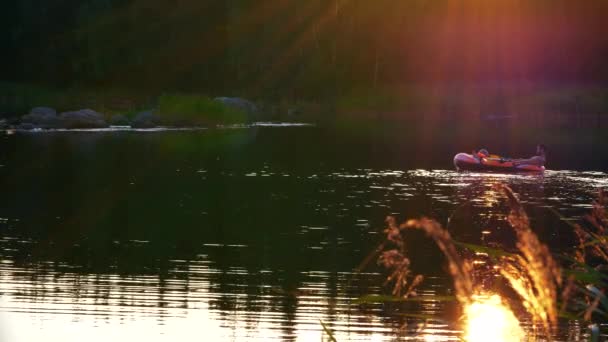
<point x="238" y="299"/>
<point x="488" y="319"/>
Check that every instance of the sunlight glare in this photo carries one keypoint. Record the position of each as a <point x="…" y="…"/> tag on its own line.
<point x="488" y="319"/>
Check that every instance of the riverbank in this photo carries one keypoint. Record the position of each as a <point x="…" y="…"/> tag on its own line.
<point x="149" y="109"/>
<point x="513" y="107"/>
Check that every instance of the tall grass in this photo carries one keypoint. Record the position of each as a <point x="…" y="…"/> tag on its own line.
<point x="533" y="273"/>
<point x="585" y="290"/>
<point x="532" y="270"/>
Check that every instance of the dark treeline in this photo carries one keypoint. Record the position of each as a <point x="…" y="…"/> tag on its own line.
<point x="301" y="49"/>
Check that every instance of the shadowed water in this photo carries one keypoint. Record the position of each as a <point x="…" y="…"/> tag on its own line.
<point x="237" y="234"/>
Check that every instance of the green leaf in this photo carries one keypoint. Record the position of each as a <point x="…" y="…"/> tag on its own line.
<point x="596" y="241"/>
<point x="328" y="332"/>
<point x="427" y="317"/>
<point x="593" y="277"/>
<point x="386" y="299"/>
<point x="491" y="252"/>
<point x="569" y="316"/>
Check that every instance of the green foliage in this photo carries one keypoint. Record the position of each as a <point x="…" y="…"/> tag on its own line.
<point x="19" y="99"/>
<point x="303" y="49"/>
<point x="184" y="109"/>
<point x="367" y="101"/>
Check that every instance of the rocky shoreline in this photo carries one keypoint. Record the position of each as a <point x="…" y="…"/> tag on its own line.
<point x="48" y="118"/>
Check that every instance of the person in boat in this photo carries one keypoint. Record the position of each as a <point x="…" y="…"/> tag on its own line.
<point x="483" y="153"/>
<point x="538" y="160"/>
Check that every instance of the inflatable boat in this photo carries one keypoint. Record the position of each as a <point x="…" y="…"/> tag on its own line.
<point x="465" y="161"/>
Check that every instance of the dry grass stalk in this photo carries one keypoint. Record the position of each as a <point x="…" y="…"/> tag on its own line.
<point x="534" y="274"/>
<point x="396" y="261"/>
<point x="459" y="269"/>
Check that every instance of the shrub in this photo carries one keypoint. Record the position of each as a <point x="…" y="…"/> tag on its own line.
<point x="180" y="109"/>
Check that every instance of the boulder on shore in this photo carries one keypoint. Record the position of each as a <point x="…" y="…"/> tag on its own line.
<point x="43" y="111"/>
<point x="26" y="126"/>
<point x="84" y="118"/>
<point x="43" y="117"/>
<point x="146" y="119"/>
<point x="119" y="120"/>
<point x="238" y="104"/>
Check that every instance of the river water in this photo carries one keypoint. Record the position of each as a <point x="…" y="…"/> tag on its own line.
<point x="244" y="233"/>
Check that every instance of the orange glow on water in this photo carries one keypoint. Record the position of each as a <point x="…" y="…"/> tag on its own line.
<point x="488" y="319"/>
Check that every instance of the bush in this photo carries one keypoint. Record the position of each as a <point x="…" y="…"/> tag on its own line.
<point x="180" y="109"/>
<point x="18" y="99"/>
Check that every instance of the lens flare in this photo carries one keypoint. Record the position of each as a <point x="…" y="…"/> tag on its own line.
<point x="488" y="319"/>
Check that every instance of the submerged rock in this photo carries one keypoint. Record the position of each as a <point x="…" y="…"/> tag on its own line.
<point x="146" y="119"/>
<point x="43" y="117"/>
<point x="84" y="118"/>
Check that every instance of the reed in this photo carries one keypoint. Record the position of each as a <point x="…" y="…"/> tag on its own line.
<point x="533" y="273"/>
<point x="574" y="288"/>
<point x="585" y="290"/>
